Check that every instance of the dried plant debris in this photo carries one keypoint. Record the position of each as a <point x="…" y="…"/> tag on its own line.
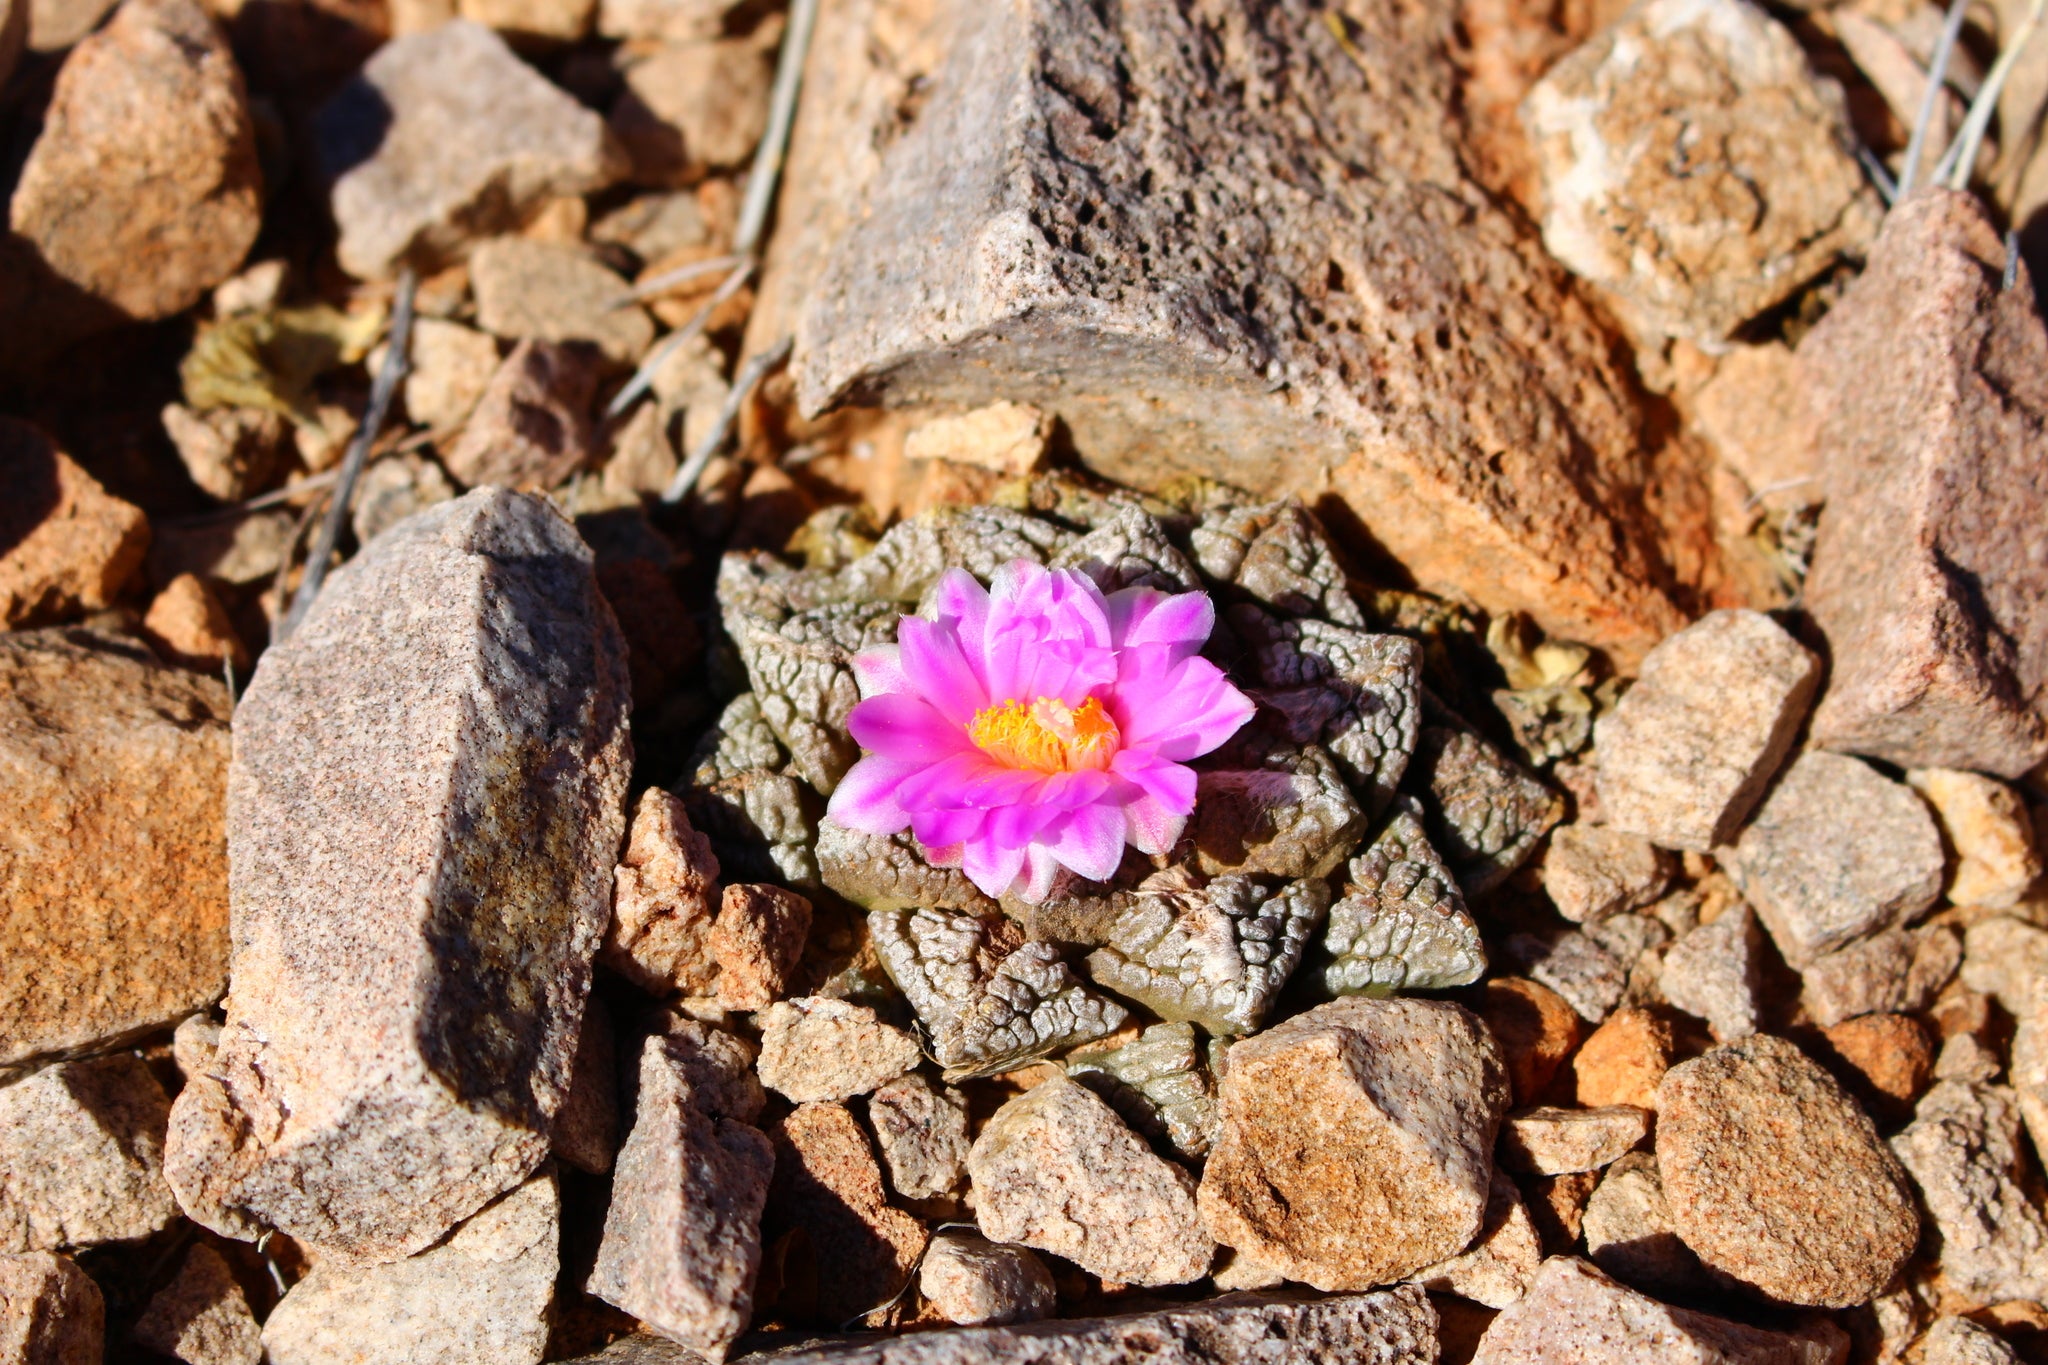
<point x="1356" y="694"/>
<point x="762" y="821"/>
<point x="987" y="1000"/>
<point x="1488" y="812"/>
<point x="1265" y="806"/>
<point x="1401" y="924"/>
<point x="1215" y="956"/>
<point x="907" y="562"/>
<point x="1549" y="703"/>
<point x="1158" y="1085"/>
<point x="891" y="872"/>
<point x="1129" y="550"/>
<point x="1276" y="555"/>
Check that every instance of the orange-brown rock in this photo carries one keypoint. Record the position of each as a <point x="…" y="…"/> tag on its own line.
<point x="845" y="1250"/>
<point x="66" y="544"/>
<point x="1623" y="1060"/>
<point x="1536" y="1029"/>
<point x="1886" y="1059"/>
<point x="113" y="856"/>
<point x="190" y="627"/>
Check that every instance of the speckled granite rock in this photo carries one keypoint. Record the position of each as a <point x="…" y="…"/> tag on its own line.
<point x="81" y="1156"/>
<point x="51" y="1312"/>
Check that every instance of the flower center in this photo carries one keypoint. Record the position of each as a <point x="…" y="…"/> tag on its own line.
<point x="1046" y="734"/>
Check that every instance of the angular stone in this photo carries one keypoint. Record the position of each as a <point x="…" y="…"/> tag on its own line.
<point x="1486" y="813"/>
<point x="682" y="1238"/>
<point x="758" y="939"/>
<point x="81" y="1156"/>
<point x="2007" y="958"/>
<point x="1217" y="957"/>
<point x="143" y="189"/>
<point x="193" y="1043"/>
<point x="853" y="1252"/>
<point x="397" y="486"/>
<point x="1535" y="1027"/>
<point x="1754" y="414"/>
<point x="1575" y="1313"/>
<point x="1887" y="1059"/>
<point x="1963" y="1150"/>
<point x="2029" y="1073"/>
<point x="692" y="107"/>
<point x="718" y="1067"/>
<point x="987" y="1001"/>
<point x="419" y="894"/>
<point x="480" y="1298"/>
<point x="921" y="1130"/>
<point x="1958" y="1341"/>
<point x="1555" y="1141"/>
<point x="114" y="878"/>
<point x="1158" y="1085"/>
<point x="1695" y="168"/>
<point x="187" y="625"/>
<point x="666" y="19"/>
<point x="540" y="291"/>
<point x="587" y="1127"/>
<point x="1264" y="807"/>
<point x="1897" y="970"/>
<point x="1006" y="437"/>
<point x="1777" y="1179"/>
<point x="1715" y="973"/>
<point x="974" y="1282"/>
<point x="1574" y="965"/>
<point x="1057" y="1170"/>
<point x="1688" y="750"/>
<point x="70" y="546"/>
<point x="51" y="1312"/>
<point x="816" y="1048"/>
<point x="659" y="937"/>
<point x="531" y="428"/>
<point x="1500" y="1265"/>
<point x="229" y="452"/>
<point x="1045" y="272"/>
<point x="202" y="1317"/>
<point x="536" y="23"/>
<point x="450" y="367"/>
<point x="1927" y="579"/>
<point x="446" y="137"/>
<point x="1623" y="1060"/>
<point x="1401" y="924"/>
<point x="1357" y="1141"/>
<point x="1989" y="829"/>
<point x="1591" y="872"/>
<point x="1629" y="1233"/>
<point x="1836" y="852"/>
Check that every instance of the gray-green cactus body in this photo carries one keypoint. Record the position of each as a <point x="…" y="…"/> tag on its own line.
<point x="1401" y="923"/>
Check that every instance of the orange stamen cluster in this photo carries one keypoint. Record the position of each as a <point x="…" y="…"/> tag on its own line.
<point x="1046" y="735"/>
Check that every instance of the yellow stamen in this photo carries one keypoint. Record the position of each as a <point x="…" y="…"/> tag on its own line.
<point x="1046" y="734"/>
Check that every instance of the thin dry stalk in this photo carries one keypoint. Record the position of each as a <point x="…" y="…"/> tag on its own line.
<point x="750" y="375"/>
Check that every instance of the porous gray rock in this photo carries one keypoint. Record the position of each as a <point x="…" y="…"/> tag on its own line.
<point x="51" y="1313"/>
<point x="1628" y="1231"/>
<point x="1898" y="971"/>
<point x="1501" y="1264"/>
<point x="1357" y="1141"/>
<point x="446" y="137"/>
<point x="1593" y="871"/>
<point x="1555" y="1141"/>
<point x="202" y="1317"/>
<point x="682" y="1237"/>
<point x="1158" y="1084"/>
<point x="974" y="1282"/>
<point x="1927" y="579"/>
<point x="1777" y="1179"/>
<point x="480" y="1298"/>
<point x="1057" y="1170"/>
<point x="816" y="1048"/>
<point x="921" y="1130"/>
<point x="81" y="1156"/>
<point x="418" y="889"/>
<point x="1958" y="1341"/>
<point x="1715" y="973"/>
<point x="1836" y="852"/>
<point x="1401" y="923"/>
<point x="1684" y="755"/>
<point x="1963" y="1150"/>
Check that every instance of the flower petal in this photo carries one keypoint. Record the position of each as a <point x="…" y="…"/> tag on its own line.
<point x="1157" y="800"/>
<point x="866" y="798"/>
<point x="879" y="671"/>
<point x="1182" y="713"/>
<point x="905" y="727"/>
<point x="1040" y="870"/>
<point x="991" y="865"/>
<point x="1089" y="840"/>
<point x="1047" y="636"/>
<point x="1146" y="616"/>
<point x="934" y="656"/>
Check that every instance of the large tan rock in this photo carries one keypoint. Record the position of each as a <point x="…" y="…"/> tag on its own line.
<point x="1357" y="1141"/>
<point x="66" y="545"/>
<point x="425" y="805"/>
<point x="1126" y="260"/>
<point x="81" y="1156"/>
<point x="113" y="858"/>
<point x="202" y="1317"/>
<point x="51" y="1312"/>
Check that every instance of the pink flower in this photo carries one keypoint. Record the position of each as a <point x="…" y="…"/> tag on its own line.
<point x="1037" y="725"/>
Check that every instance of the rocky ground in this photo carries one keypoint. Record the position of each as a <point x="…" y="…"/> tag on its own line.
<point x="1612" y="439"/>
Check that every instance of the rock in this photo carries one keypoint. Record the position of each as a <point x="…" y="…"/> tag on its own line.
<point x="1006" y="437"/>
<point x="1487" y="812"/>
<point x="662" y="19"/>
<point x="1357" y="1141"/>
<point x="682" y="1238"/>
<point x="1157" y="1084"/>
<point x="2029" y="1073"/>
<point x="1401" y="923"/>
<point x="1575" y="1313"/>
<point x="1963" y="1150"/>
<point x="719" y="1067"/>
<point x="1926" y="579"/>
<point x="445" y="137"/>
<point x="922" y="1132"/>
<point x="587" y="1127"/>
<point x="2007" y="958"/>
<point x="202" y="1317"/>
<point x="1688" y="750"/>
<point x="1557" y="1205"/>
<point x="229" y="452"/>
<point x="393" y="489"/>
<point x="1629" y="1232"/>
<point x="1043" y="263"/>
<point x="816" y="1048"/>
<point x="660" y="933"/>
<point x="531" y="429"/>
<point x="69" y="545"/>
<point x="1777" y="1179"/>
<point x="1554" y="1141"/>
<point x="1897" y="970"/>
<point x="974" y="1282"/>
<point x="536" y="23"/>
<point x="451" y="366"/>
<point x="1057" y="1170"/>
<point x="114" y="883"/>
<point x="1989" y="829"/>
<point x="1965" y="1057"/>
<point x="1958" y="1341"/>
<point x="479" y="1298"/>
<point x="1623" y="1060"/>
<point x="757" y="940"/>
<point x="143" y="189"/>
<point x="692" y="107"/>
<point x="1715" y="973"/>
<point x="539" y="291"/>
<point x="193" y="1043"/>
<point x="81" y="1156"/>
<point x="1535" y="1027"/>
<point x="187" y="626"/>
<point x="380" y="1007"/>
<point x="1574" y="965"/>
<point x="1836" y="852"/>
<point x="236" y="552"/>
<point x="1695" y="168"/>
<point x="1501" y="1263"/>
<point x="51" y="1312"/>
<point x="1754" y="414"/>
<point x="852" y="1251"/>
<point x="1591" y="872"/>
<point x="1888" y="1058"/>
